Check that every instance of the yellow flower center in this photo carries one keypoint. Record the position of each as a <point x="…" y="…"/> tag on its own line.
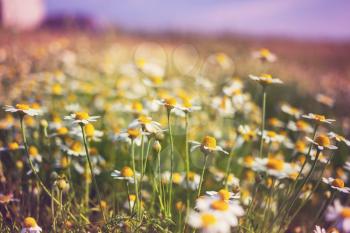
<point x="293" y="175"/>
<point x="208" y="219"/>
<point x="191" y="176"/>
<point x="89" y="130"/>
<point x="301" y="124"/>
<point x="137" y="106"/>
<point x="224" y="194"/>
<point x="13" y="146"/>
<point x="339" y="183"/>
<point x="35" y="106"/>
<point x="209" y="142"/>
<point x="76" y="147"/>
<point x="319" y="117"/>
<point x="345" y="213"/>
<point x="323" y="140"/>
<point x="300" y="146"/>
<point x="56" y="89"/>
<point x="248" y="160"/>
<point x="221" y="57"/>
<point x="127" y="172"/>
<point x="22" y="106"/>
<point x="132" y="197"/>
<point x="170" y="102"/>
<point x="103" y="204"/>
<point x="271" y="134"/>
<point x="265" y="53"/>
<point x="219" y="205"/>
<point x="276" y="164"/>
<point x="62" y="131"/>
<point x="157" y="80"/>
<point x="29" y="222"/>
<point x="33" y="151"/>
<point x="81" y="116"/>
<point x="64" y="162"/>
<point x="176" y="178"/>
<point x="133" y="133"/>
<point x="144" y="119"/>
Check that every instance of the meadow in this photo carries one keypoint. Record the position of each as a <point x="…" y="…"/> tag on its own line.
<point x="109" y="133"/>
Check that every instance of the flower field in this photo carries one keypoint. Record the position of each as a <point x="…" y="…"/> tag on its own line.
<point x="108" y="134"/>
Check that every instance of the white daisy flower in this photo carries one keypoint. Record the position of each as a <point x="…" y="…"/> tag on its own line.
<point x="208" y="145"/>
<point x="81" y="118"/>
<point x="265" y="79"/>
<point x="340" y="215"/>
<point x="318" y="118"/>
<point x="147" y="124"/>
<point x="30" y="226"/>
<point x="322" y="142"/>
<point x="264" y="55"/>
<point x="23" y="109"/>
<point x="208" y="222"/>
<point x="338" y="138"/>
<point x="125" y="174"/>
<point x="337" y="184"/>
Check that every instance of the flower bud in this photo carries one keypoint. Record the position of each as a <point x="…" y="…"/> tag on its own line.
<point x="157" y="147"/>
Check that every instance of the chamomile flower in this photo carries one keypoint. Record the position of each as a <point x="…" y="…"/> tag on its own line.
<point x="318" y="118"/>
<point x="23" y="109"/>
<point x="130" y="134"/>
<point x="223" y="105"/>
<point x="275" y="122"/>
<point x="229" y="210"/>
<point x="340" y="215"/>
<point x="271" y="136"/>
<point x="223" y="194"/>
<point x="290" y="110"/>
<point x="275" y="167"/>
<point x="208" y="222"/>
<point x="208" y="145"/>
<point x="322" y="142"/>
<point x="34" y="154"/>
<point x="30" y="226"/>
<point x="125" y="174"/>
<point x="299" y="126"/>
<point x="265" y="79"/>
<point x="147" y="124"/>
<point x="337" y="184"/>
<point x="193" y="180"/>
<point x="75" y="148"/>
<point x="90" y="132"/>
<point x="81" y="118"/>
<point x="264" y="55"/>
<point x="338" y="138"/>
<point x="12" y="146"/>
<point x="247" y="132"/>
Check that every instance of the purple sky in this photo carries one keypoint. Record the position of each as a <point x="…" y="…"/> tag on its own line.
<point x="297" y="18"/>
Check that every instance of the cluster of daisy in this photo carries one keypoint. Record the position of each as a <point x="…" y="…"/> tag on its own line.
<point x="134" y="139"/>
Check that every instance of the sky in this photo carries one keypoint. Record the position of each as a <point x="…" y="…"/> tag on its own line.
<point x="329" y="19"/>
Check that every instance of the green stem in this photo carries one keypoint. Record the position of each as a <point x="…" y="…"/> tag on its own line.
<point x="202" y="175"/>
<point x="262" y="122"/>
<point x="187" y="165"/>
<point x="92" y="172"/>
<point x="170" y="193"/>
<point x="33" y="169"/>
<point x="135" y="179"/>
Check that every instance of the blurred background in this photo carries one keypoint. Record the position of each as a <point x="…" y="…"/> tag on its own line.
<point x="312" y="19"/>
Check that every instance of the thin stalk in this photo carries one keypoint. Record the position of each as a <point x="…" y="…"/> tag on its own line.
<point x="187" y="165"/>
<point x="34" y="170"/>
<point x="202" y="175"/>
<point x="92" y="173"/>
<point x="323" y="208"/>
<point x="300" y="187"/>
<point x="262" y="122"/>
<point x="135" y="179"/>
<point x="87" y="186"/>
<point x="170" y="193"/>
